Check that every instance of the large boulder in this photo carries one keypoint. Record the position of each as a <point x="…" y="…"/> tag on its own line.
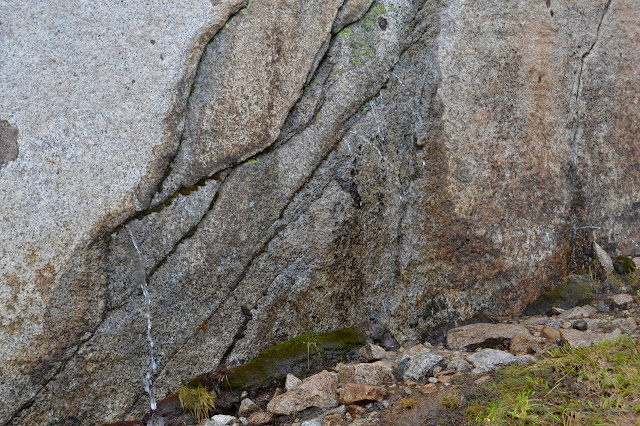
<point x="416" y="163"/>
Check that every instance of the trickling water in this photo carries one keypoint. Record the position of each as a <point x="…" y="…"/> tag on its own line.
<point x="147" y="381"/>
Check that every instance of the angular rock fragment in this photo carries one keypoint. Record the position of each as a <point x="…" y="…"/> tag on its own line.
<point x="525" y="343"/>
<point x="580" y="325"/>
<point x="370" y="353"/>
<point x="319" y="390"/>
<point x="222" y="420"/>
<point x="260" y="418"/>
<point x="247" y="406"/>
<point x="376" y="374"/>
<point x="622" y="301"/>
<point x="351" y="393"/>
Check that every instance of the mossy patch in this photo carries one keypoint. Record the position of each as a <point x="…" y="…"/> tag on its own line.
<point x="302" y="356"/>
<point x="623" y="265"/>
<point x="361" y="36"/>
<point x="576" y="290"/>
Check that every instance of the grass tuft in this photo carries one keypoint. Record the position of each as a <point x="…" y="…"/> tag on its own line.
<point x="197" y="401"/>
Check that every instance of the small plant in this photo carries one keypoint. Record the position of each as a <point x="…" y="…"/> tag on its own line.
<point x="407" y="403"/>
<point x="615" y="281"/>
<point x="634" y="278"/>
<point x="311" y="343"/>
<point x="522" y="407"/>
<point x="451" y="402"/>
<point x="197" y="401"/>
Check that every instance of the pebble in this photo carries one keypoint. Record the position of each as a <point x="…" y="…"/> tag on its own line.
<point x="580" y="325"/>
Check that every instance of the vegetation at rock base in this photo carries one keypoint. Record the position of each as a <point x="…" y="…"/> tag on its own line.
<point x="197" y="401"/>
<point x="407" y="403"/>
<point x="590" y="385"/>
<point x="303" y="355"/>
<point x="576" y="290"/>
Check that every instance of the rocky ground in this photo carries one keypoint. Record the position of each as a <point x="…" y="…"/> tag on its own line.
<point x="426" y="383"/>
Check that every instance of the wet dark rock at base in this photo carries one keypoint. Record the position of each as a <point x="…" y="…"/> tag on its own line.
<point x="576" y="290"/>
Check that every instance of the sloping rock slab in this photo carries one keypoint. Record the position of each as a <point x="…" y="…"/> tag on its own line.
<point x="483" y="335"/>
<point x="489" y="359"/>
<point x="578" y="339"/>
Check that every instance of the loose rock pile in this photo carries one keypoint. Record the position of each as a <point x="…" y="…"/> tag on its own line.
<point x="359" y="393"/>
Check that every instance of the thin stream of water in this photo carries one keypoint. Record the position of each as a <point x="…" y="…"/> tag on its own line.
<point x="148" y="384"/>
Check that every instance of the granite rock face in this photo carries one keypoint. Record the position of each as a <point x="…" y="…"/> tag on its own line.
<point x="288" y="166"/>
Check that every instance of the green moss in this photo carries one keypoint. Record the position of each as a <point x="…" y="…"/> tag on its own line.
<point x="576" y="290"/>
<point x="248" y="6"/>
<point x="318" y="115"/>
<point x="302" y="355"/>
<point x="372" y="15"/>
<point x="193" y="86"/>
<point x="623" y="265"/>
<point x="252" y="160"/>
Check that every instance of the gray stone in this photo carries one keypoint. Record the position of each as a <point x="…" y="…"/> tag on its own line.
<point x="459" y="364"/>
<point x="604" y="259"/>
<point x="93" y="135"/>
<point x="222" y="420"/>
<point x="252" y="75"/>
<point x="577" y="312"/>
<point x="622" y="301"/>
<point x="247" y="406"/>
<point x="417" y="363"/>
<point x="488" y="359"/>
<point x="580" y="325"/>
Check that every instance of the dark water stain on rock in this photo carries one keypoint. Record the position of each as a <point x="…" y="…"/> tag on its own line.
<point x="8" y="143"/>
